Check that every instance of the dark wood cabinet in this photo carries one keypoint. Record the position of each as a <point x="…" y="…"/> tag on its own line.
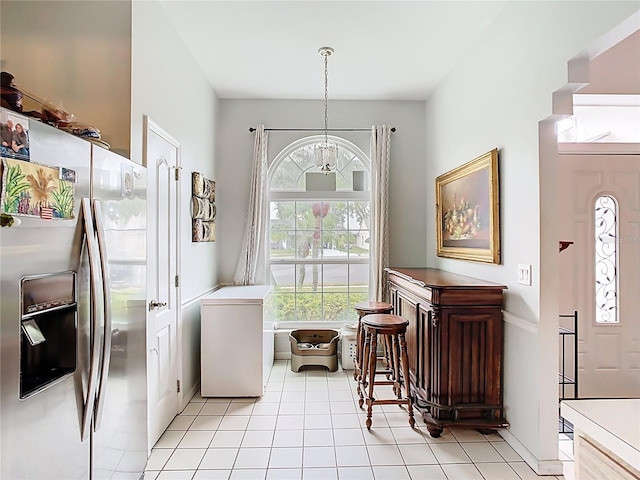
<point x="454" y="343"/>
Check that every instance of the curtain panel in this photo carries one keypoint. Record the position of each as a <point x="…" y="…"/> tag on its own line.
<point x="255" y="220"/>
<point x="379" y="256"/>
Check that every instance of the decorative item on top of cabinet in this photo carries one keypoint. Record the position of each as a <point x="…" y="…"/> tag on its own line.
<point x="45" y="111"/>
<point x="454" y="343"/>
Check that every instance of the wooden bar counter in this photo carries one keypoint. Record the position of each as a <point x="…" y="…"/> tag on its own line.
<point x="455" y="345"/>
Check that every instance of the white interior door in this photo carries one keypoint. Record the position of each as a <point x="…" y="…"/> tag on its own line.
<point x="608" y="353"/>
<point x="162" y="157"/>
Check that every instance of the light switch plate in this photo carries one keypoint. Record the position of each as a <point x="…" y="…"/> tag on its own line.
<point x="524" y="274"/>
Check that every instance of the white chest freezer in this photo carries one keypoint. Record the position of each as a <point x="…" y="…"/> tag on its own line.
<point x="237" y="339"/>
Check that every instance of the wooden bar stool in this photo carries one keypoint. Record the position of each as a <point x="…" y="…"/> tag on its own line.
<point x="393" y="329"/>
<point x="365" y="308"/>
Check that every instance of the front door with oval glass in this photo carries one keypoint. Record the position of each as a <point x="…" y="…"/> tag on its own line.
<point x="599" y="211"/>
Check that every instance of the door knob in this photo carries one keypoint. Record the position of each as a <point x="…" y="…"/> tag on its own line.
<point x="153" y="305"/>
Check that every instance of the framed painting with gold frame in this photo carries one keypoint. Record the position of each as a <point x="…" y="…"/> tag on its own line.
<point x="467" y="211"/>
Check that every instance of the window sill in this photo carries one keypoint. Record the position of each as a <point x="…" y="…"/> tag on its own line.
<point x="288" y="326"/>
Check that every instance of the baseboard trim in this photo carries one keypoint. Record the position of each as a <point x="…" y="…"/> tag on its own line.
<point x="282" y="355"/>
<point x="187" y="396"/>
<point x="541" y="467"/>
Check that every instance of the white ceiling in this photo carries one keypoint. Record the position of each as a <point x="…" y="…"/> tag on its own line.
<point x="384" y="50"/>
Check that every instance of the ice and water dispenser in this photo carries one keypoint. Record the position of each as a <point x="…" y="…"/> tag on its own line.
<point x="48" y="330"/>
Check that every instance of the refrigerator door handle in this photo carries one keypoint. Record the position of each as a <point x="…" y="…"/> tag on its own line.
<point x="87" y="221"/>
<point x="106" y="291"/>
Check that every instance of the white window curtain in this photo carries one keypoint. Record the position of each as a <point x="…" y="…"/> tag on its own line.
<point x="255" y="220"/>
<point x="379" y="259"/>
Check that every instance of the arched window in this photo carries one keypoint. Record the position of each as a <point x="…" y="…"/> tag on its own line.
<point x="606" y="259"/>
<point x="318" y="256"/>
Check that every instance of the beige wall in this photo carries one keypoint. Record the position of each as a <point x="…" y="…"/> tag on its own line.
<point x="495" y="98"/>
<point x="407" y="170"/>
<point x="169" y="88"/>
<point x="76" y="55"/>
<point x="110" y="63"/>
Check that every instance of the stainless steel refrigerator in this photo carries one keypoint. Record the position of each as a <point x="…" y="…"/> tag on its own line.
<point x="73" y="398"/>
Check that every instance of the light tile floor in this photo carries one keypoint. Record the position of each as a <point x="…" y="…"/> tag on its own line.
<point x="307" y="426"/>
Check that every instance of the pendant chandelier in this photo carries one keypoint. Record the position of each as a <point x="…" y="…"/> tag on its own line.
<point x="326" y="153"/>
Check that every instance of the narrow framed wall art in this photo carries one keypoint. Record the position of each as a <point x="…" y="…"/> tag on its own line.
<point x="203" y="208"/>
